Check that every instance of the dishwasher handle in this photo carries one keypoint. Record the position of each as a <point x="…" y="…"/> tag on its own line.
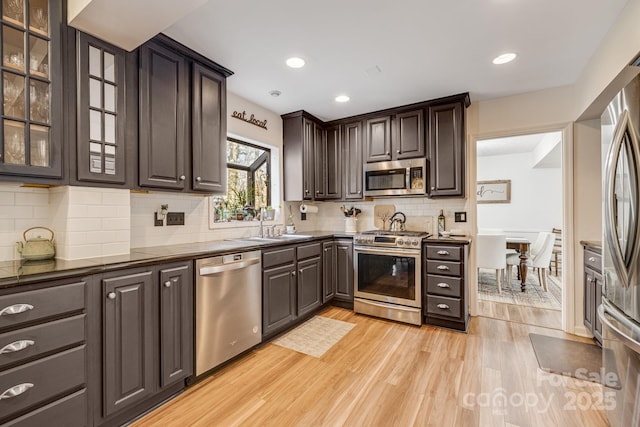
<point x="206" y="271"/>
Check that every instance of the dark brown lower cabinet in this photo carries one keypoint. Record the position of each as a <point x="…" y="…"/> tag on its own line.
<point x="128" y="340"/>
<point x="328" y="271"/>
<point x="309" y="285"/>
<point x="592" y="279"/>
<point x="144" y="347"/>
<point x="278" y="298"/>
<point x="344" y="271"/>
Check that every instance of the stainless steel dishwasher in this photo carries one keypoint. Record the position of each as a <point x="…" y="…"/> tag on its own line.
<point x="228" y="307"/>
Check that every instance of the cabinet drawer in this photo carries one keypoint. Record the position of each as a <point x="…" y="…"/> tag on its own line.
<point x="68" y="411"/>
<point x="21" y="307"/>
<point x="19" y="345"/>
<point x="445" y="286"/>
<point x="444" y="252"/>
<point x="278" y="257"/>
<point x="444" y="307"/>
<point x="44" y="378"/>
<point x="592" y="260"/>
<point x="309" y="250"/>
<point x="445" y="268"/>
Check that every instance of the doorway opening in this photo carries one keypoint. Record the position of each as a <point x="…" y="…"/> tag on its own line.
<point x="519" y="196"/>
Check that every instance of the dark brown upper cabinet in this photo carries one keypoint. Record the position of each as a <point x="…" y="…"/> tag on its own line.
<point x="300" y="132"/>
<point x="410" y="135"/>
<point x="447" y="150"/>
<point x="378" y="139"/>
<point x="181" y="149"/>
<point x="31" y="140"/>
<point x="209" y="130"/>
<point x="105" y="149"/>
<point x="328" y="162"/>
<point x="164" y="137"/>
<point x="352" y="160"/>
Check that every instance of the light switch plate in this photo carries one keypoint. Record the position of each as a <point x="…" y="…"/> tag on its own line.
<point x="461" y="217"/>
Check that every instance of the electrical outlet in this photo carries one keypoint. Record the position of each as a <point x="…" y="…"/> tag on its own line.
<point x="175" y="218"/>
<point x="157" y="221"/>
<point x="461" y="216"/>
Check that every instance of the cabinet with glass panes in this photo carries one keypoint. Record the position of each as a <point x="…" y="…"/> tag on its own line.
<point x="30" y="140"/>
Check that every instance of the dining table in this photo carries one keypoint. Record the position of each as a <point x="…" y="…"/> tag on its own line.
<point x="520" y="245"/>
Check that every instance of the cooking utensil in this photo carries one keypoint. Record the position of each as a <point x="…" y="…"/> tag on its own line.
<point x="37" y="248"/>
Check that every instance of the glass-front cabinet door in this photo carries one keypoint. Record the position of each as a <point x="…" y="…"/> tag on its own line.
<point x="30" y="141"/>
<point x="101" y="105"/>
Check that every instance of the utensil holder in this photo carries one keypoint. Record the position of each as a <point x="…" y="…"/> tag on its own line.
<point x="351" y="225"/>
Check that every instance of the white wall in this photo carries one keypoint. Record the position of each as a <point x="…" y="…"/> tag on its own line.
<point x="536" y="195"/>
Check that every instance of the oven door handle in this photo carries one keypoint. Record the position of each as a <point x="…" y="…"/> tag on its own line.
<point x="389" y="251"/>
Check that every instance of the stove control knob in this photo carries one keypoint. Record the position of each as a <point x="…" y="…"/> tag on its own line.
<point x="400" y="242"/>
<point x="415" y="242"/>
<point x="359" y="239"/>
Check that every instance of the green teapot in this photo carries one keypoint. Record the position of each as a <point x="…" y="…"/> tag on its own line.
<point x="37" y="248"/>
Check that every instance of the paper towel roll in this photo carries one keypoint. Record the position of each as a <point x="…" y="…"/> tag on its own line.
<point x="308" y="208"/>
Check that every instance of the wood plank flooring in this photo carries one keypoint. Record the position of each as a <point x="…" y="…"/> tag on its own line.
<point x="535" y="316"/>
<point x="390" y="374"/>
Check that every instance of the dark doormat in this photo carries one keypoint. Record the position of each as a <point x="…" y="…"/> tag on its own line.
<point x="571" y="358"/>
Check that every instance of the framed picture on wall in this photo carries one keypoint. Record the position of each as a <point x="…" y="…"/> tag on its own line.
<point x="498" y="191"/>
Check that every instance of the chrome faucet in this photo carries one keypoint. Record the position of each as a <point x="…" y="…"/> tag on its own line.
<point x="261" y="232"/>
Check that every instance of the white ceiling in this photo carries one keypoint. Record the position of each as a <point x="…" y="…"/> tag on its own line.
<point x="424" y="48"/>
<point x="544" y="149"/>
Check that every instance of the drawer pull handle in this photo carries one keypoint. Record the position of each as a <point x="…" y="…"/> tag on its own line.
<point x="16" y="346"/>
<point x="443" y="306"/>
<point x="443" y="285"/>
<point x="16" y="309"/>
<point x="442" y="267"/>
<point x="592" y="259"/>
<point x="443" y="252"/>
<point x="15" y="391"/>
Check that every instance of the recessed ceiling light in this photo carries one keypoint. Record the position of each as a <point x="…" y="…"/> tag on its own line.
<point x="275" y="93"/>
<point x="295" y="62"/>
<point x="504" y="58"/>
<point x="342" y="98"/>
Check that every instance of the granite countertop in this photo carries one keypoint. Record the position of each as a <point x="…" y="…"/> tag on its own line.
<point x="592" y="243"/>
<point x="17" y="272"/>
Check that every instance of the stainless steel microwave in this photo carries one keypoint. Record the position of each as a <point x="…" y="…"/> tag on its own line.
<point x="396" y="178"/>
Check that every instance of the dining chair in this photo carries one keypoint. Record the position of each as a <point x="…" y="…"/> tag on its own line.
<point x="539" y="258"/>
<point x="490" y="255"/>
<point x="556" y="255"/>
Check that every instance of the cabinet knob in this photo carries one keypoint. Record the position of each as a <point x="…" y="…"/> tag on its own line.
<point x="111" y="295"/>
<point x="306" y="191"/>
<point x="326" y="249"/>
<point x="433" y="188"/>
<point x="398" y="151"/>
<point x="293" y="273"/>
<point x="167" y="284"/>
<point x="317" y="191"/>
<point x="388" y="153"/>
<point x="592" y="259"/>
<point x="198" y="179"/>
<point x="182" y="177"/>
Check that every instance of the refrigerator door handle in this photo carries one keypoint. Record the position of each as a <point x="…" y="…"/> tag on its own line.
<point x="627" y="340"/>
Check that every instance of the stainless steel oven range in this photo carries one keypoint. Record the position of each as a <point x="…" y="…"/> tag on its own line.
<point x="387" y="280"/>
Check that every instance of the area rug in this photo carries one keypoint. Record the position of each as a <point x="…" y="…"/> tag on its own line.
<point x="533" y="295"/>
<point x="571" y="358"/>
<point x="315" y="336"/>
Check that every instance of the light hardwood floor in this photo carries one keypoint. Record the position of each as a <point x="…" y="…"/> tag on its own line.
<point x="390" y="374"/>
<point x="534" y="316"/>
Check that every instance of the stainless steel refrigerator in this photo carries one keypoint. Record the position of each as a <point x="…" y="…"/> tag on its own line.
<point x="620" y="309"/>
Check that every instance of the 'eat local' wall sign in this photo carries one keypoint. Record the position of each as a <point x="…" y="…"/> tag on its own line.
<point x="251" y="119"/>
